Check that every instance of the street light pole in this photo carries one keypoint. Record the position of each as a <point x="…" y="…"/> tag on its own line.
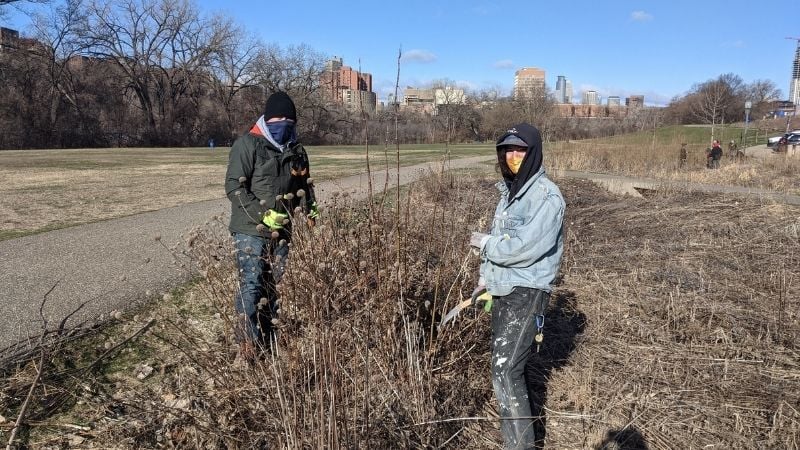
<point x="747" y="106"/>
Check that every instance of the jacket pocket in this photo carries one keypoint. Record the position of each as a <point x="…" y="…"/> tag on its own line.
<point x="512" y="224"/>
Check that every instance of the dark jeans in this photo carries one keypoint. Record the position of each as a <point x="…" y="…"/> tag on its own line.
<point x="261" y="263"/>
<point x="516" y="319"/>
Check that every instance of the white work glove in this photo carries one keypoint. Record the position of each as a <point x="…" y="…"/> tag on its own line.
<point x="478" y="240"/>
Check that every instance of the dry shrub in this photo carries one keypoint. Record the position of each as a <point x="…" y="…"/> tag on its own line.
<point x="360" y="362"/>
<point x="692" y="304"/>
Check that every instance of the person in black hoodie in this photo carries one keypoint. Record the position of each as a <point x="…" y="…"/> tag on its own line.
<point x="520" y="259"/>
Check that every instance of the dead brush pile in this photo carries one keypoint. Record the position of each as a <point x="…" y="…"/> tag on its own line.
<point x="692" y="303"/>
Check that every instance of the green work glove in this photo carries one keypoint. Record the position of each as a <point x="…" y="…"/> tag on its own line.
<point x="480" y="294"/>
<point x="313" y="211"/>
<point x="486" y="297"/>
<point x="274" y="220"/>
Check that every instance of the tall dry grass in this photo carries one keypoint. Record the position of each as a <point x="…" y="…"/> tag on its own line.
<point x="660" y="160"/>
<point x="692" y="303"/>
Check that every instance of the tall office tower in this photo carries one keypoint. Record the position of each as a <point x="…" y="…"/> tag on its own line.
<point x="613" y="100"/>
<point x="568" y="92"/>
<point x="528" y="83"/>
<point x="591" y="98"/>
<point x="794" y="84"/>
<point x="561" y="89"/>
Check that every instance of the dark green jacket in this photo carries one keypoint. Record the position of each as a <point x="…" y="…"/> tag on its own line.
<point x="265" y="173"/>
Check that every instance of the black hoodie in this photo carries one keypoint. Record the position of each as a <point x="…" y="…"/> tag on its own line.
<point x="530" y="164"/>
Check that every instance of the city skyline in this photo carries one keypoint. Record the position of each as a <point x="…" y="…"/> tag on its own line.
<point x="617" y="49"/>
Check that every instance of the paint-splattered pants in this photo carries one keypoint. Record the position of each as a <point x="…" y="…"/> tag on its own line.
<point x="514" y="326"/>
<point x="261" y="264"/>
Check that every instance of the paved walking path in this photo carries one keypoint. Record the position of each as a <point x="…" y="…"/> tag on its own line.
<point x="112" y="264"/>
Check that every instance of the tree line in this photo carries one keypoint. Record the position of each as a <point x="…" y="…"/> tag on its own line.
<point x="116" y="73"/>
<point x="721" y="100"/>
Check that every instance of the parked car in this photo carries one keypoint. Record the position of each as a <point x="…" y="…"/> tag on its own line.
<point x="792" y="137"/>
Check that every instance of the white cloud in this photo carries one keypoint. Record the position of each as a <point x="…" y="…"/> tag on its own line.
<point x="641" y="16"/>
<point x="418" y="55"/>
<point x="503" y="64"/>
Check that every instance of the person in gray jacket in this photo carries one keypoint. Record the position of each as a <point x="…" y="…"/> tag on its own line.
<point x="267" y="182"/>
<point x="519" y="262"/>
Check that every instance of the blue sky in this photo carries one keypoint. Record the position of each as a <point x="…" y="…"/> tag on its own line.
<point x="617" y="47"/>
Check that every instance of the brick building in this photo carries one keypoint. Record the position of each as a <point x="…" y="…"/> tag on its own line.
<point x="350" y="88"/>
<point x="528" y="83"/>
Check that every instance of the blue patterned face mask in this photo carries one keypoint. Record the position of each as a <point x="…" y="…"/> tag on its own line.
<point x="282" y="131"/>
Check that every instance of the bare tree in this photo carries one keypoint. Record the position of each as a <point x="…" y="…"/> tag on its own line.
<point x="761" y="93"/>
<point x="538" y="107"/>
<point x="449" y="104"/>
<point x="58" y="33"/>
<point x="234" y="69"/>
<point x="710" y="102"/>
<point x="295" y="70"/>
<point x="5" y="4"/>
<point x="717" y="100"/>
<point x="160" y="47"/>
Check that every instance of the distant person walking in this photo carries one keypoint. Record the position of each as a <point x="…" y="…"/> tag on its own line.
<point x="715" y="155"/>
<point x="682" y="156"/>
<point x="519" y="261"/>
<point x="267" y="178"/>
<point x="732" y="149"/>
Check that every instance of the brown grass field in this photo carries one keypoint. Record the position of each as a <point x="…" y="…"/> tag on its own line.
<point x="49" y="189"/>
<point x="674" y="325"/>
<point x="655" y="155"/>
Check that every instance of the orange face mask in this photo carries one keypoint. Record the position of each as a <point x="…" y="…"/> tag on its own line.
<point x="514" y="161"/>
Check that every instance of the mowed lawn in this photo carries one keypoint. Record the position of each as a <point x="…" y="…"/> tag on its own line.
<point x="51" y="189"/>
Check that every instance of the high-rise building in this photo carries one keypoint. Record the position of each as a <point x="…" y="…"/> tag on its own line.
<point x="561" y="89"/>
<point x="528" y="83"/>
<point x="9" y="39"/>
<point x="568" y="92"/>
<point x="634" y="101"/>
<point x="591" y="98"/>
<point x="342" y="85"/>
<point x="613" y="100"/>
<point x="333" y="64"/>
<point x="794" y="84"/>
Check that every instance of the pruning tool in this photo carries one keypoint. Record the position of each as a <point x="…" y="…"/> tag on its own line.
<point x="479" y="296"/>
